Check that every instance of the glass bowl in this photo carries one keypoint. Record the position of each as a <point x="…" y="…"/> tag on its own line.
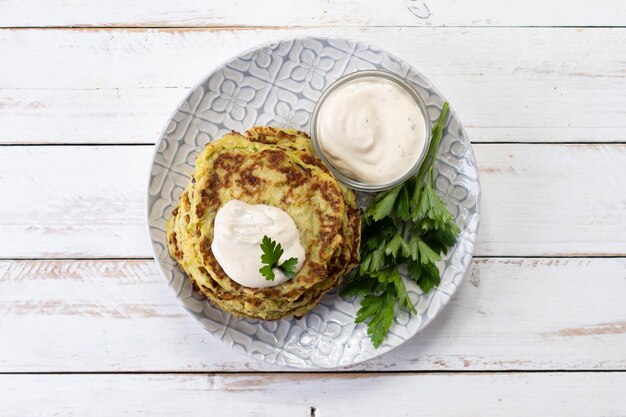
<point x="352" y="182"/>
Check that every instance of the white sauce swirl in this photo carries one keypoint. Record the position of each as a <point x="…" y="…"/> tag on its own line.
<point x="238" y="231"/>
<point x="371" y="129"/>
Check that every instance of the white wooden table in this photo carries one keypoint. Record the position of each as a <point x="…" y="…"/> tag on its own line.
<point x="87" y="325"/>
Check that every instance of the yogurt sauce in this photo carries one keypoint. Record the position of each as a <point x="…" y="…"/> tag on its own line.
<point x="238" y="231"/>
<point x="371" y="129"/>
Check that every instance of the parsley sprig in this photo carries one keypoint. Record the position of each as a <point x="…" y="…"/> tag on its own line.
<point x="272" y="251"/>
<point x="406" y="228"/>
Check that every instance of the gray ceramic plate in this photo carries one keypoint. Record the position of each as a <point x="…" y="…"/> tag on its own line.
<point x="278" y="84"/>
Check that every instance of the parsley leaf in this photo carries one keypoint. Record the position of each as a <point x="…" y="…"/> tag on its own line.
<point x="406" y="228"/>
<point x="272" y="251"/>
<point x="427" y="255"/>
<point x="358" y="284"/>
<point x="392" y="276"/>
<point x="383" y="204"/>
<point x="425" y="275"/>
<point x="289" y="267"/>
<point x="379" y="309"/>
<point x="267" y="272"/>
<point x="402" y="204"/>
<point x="442" y="239"/>
<point x="432" y="208"/>
<point x="393" y="245"/>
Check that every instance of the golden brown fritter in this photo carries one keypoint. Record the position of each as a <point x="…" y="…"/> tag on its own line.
<point x="274" y="167"/>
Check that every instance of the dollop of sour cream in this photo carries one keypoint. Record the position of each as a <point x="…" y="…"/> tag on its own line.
<point x="371" y="129"/>
<point x="238" y="230"/>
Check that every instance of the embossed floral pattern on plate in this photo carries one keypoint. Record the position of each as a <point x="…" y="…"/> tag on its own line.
<point x="278" y="84"/>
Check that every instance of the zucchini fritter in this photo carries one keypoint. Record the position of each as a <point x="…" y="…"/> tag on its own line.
<point x="275" y="167"/>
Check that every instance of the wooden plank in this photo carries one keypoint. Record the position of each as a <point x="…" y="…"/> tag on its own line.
<point x="32" y="13"/>
<point x="67" y="201"/>
<point x="509" y="314"/>
<point x="553" y="200"/>
<point x="554" y="394"/>
<point x="120" y="86"/>
<point x="72" y="201"/>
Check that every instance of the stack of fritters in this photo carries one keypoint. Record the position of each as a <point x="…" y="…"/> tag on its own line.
<point x="274" y="167"/>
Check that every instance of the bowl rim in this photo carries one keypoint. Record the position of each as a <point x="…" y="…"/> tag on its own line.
<point x="410" y="89"/>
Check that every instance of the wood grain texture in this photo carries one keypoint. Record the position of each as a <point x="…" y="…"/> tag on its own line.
<point x="73" y="201"/>
<point x="85" y="202"/>
<point x="120" y="86"/>
<point x="319" y="395"/>
<point x="552" y="200"/>
<point x="509" y="314"/>
<point x="29" y="13"/>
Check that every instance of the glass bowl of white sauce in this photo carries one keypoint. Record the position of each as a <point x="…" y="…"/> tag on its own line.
<point x="371" y="128"/>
